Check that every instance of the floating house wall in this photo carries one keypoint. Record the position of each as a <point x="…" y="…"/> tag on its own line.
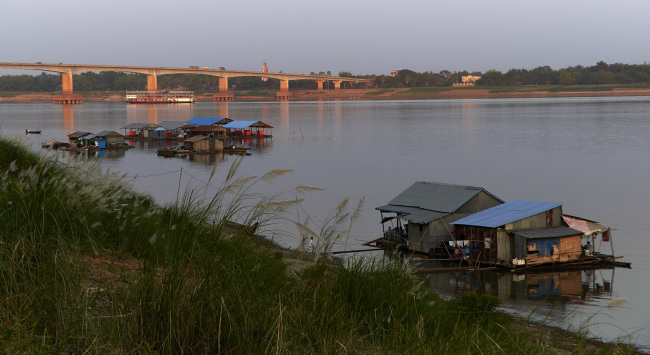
<point x="479" y="202"/>
<point x="208" y="145"/>
<point x="483" y="244"/>
<point x="543" y="250"/>
<point x="502" y="244"/>
<point x="550" y="218"/>
<point x="424" y="237"/>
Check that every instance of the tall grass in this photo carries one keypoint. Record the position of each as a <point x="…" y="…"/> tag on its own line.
<point x="88" y="265"/>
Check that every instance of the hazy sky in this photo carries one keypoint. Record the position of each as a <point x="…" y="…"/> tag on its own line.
<point x="301" y="36"/>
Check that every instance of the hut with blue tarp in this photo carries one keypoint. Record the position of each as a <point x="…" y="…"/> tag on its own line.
<point x="106" y="139"/>
<point x="520" y="232"/>
<point x="80" y="139"/>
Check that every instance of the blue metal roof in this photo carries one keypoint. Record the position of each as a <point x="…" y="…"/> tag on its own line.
<point x="204" y="121"/>
<point x="506" y="213"/>
<point x="239" y="124"/>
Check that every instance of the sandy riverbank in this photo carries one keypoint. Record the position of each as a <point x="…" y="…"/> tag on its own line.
<point x="361" y="94"/>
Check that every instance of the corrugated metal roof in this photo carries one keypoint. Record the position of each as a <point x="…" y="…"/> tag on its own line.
<point x="413" y="214"/>
<point x="106" y="133"/>
<point x="206" y="121"/>
<point x="239" y="124"/>
<point x="135" y="126"/>
<point x="78" y="134"/>
<point x="171" y="125"/>
<point x="437" y="196"/>
<point x="506" y="213"/>
<point x="551" y="232"/>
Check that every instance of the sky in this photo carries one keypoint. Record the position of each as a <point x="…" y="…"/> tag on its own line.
<point x="303" y="36"/>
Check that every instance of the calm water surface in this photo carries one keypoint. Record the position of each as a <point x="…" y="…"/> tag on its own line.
<point x="590" y="154"/>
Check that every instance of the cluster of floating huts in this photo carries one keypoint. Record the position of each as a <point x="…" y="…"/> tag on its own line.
<point x="456" y="222"/>
<point x="200" y="134"/>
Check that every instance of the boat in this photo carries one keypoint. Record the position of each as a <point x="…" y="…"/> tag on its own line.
<point x="172" y="151"/>
<point x="235" y="149"/>
<point x="160" y="97"/>
<point x="54" y="144"/>
<point x="31" y="131"/>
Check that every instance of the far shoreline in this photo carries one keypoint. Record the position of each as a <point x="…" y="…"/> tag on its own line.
<point x="363" y="94"/>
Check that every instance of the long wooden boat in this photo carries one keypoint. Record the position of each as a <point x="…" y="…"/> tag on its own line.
<point x="236" y="150"/>
<point x="172" y="151"/>
<point x="31" y="131"/>
<point x="53" y="144"/>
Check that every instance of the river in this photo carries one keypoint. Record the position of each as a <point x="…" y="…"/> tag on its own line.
<point x="590" y="154"/>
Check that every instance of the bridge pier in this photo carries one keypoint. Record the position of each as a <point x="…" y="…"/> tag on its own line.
<point x="223" y="97"/>
<point x="284" y="94"/>
<point x="152" y="82"/>
<point x="320" y="84"/>
<point x="223" y="84"/>
<point x="67" y="96"/>
<point x="67" y="99"/>
<point x="66" y="82"/>
<point x="337" y="84"/>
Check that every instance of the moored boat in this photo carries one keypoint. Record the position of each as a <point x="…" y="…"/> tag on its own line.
<point x="160" y="97"/>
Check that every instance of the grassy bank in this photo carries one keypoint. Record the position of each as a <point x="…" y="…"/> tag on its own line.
<point x="89" y="265"/>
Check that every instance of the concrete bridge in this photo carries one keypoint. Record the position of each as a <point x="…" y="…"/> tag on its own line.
<point x="152" y="73"/>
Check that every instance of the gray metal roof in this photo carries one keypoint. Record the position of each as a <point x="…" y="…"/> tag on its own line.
<point x="135" y="126"/>
<point x="437" y="196"/>
<point x="106" y="133"/>
<point x="551" y="232"/>
<point x="506" y="213"/>
<point x="171" y="125"/>
<point x="413" y="214"/>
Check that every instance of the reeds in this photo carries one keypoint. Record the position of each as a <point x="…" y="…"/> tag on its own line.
<point x="88" y="265"/>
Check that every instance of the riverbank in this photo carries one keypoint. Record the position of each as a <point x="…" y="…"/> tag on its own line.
<point x="92" y="266"/>
<point x="379" y="94"/>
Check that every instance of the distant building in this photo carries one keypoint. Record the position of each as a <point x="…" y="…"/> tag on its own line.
<point x="265" y="69"/>
<point x="468" y="80"/>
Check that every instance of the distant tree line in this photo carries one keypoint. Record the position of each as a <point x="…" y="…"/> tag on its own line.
<point x="601" y="73"/>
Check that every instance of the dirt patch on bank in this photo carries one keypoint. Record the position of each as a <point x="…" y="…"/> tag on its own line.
<point x="359" y="94"/>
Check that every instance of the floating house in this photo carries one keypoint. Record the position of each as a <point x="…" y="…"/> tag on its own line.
<point x="80" y="139"/>
<point x="134" y="129"/>
<point x="164" y="130"/>
<point x="519" y="233"/>
<point x="239" y="128"/>
<point x="428" y="208"/>
<point x="203" y="144"/>
<point x="107" y="139"/>
<point x="209" y="121"/>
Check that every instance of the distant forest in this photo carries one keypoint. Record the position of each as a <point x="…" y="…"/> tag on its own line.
<point x="599" y="74"/>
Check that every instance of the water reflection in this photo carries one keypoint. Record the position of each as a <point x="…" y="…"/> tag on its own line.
<point x="68" y="117"/>
<point x="565" y="286"/>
